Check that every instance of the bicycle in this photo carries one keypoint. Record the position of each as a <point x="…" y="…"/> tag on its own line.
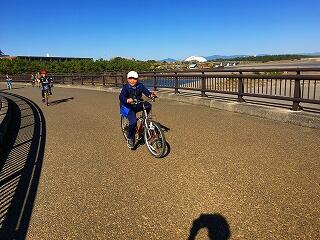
<point x="147" y="129"/>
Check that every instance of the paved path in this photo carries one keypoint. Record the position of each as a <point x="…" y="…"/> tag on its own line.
<point x="250" y="177"/>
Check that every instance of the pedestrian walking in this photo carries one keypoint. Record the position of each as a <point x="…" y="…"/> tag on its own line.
<point x="38" y="79"/>
<point x="9" y="82"/>
<point x="32" y="80"/>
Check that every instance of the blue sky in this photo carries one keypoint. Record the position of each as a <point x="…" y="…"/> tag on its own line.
<point x="158" y="29"/>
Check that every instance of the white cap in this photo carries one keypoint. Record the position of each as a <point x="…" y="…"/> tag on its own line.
<point x="132" y="74"/>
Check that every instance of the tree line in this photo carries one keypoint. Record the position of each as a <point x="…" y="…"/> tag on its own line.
<point x="21" y="66"/>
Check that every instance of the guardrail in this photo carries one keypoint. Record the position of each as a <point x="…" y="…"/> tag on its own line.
<point x="5" y="118"/>
<point x="1" y="101"/>
<point x="287" y="84"/>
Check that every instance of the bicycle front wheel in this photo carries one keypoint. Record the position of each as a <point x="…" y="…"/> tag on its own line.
<point x="155" y="139"/>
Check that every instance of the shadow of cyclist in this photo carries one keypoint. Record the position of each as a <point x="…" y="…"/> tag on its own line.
<point x="164" y="128"/>
<point x="217" y="225"/>
<point x="3" y="89"/>
<point x="55" y="102"/>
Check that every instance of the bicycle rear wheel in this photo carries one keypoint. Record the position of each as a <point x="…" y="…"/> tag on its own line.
<point x="155" y="139"/>
<point x="125" y="127"/>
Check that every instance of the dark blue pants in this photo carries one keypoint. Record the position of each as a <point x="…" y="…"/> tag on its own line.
<point x="133" y="118"/>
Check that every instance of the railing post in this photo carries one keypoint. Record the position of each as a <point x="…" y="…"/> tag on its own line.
<point x="123" y="79"/>
<point x="103" y="81"/>
<point x="155" y="83"/>
<point x="176" y="84"/>
<point x="297" y="94"/>
<point x="115" y="80"/>
<point x="203" y="86"/>
<point x="240" y="88"/>
<point x="0" y="101"/>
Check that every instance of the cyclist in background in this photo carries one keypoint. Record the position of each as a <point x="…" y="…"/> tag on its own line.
<point x="131" y="92"/>
<point x="45" y="83"/>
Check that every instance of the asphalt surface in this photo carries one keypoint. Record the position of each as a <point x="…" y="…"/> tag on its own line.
<point x="226" y="173"/>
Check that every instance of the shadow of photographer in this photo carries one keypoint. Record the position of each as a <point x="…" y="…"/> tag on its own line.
<point x="217" y="226"/>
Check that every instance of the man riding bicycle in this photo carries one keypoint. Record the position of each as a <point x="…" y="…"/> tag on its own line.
<point x="45" y="84"/>
<point x="132" y="92"/>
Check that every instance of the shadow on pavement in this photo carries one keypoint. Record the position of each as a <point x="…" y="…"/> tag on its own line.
<point x="12" y="88"/>
<point x="55" y="102"/>
<point x="168" y="150"/>
<point x="217" y="226"/>
<point x="311" y="110"/>
<point x="168" y="147"/>
<point x="20" y="166"/>
<point x="164" y="128"/>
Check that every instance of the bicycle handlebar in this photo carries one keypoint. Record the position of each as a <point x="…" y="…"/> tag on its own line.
<point x="151" y="99"/>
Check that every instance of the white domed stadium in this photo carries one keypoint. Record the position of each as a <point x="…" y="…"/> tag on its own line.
<point x="194" y="58"/>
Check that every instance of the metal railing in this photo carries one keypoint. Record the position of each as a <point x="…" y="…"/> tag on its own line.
<point x="287" y="84"/>
<point x="279" y="84"/>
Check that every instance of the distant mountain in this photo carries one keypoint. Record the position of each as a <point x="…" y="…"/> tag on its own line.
<point x="307" y="54"/>
<point x="169" y="60"/>
<point x="215" y="57"/>
<point x="312" y="54"/>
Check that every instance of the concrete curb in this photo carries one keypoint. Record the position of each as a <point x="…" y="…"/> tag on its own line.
<point x="301" y="118"/>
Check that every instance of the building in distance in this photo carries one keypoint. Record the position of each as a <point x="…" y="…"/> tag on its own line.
<point x="195" y="59"/>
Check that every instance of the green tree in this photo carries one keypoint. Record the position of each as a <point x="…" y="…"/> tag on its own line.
<point x="18" y="66"/>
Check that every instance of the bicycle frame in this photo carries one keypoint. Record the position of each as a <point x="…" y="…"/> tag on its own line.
<point x="144" y="115"/>
<point x="46" y="92"/>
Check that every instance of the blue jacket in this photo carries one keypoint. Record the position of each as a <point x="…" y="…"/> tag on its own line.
<point x="134" y="92"/>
